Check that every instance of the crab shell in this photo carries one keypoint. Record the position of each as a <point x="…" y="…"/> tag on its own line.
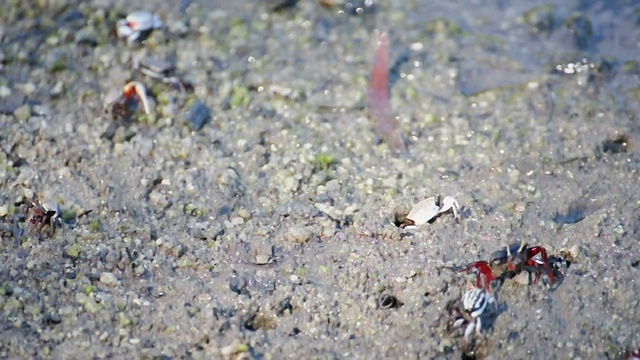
<point x="475" y="301"/>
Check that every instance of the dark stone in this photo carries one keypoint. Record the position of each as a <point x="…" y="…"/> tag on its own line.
<point x="620" y="144"/>
<point x="11" y="102"/>
<point x="198" y="115"/>
<point x="540" y="19"/>
<point x="52" y="319"/>
<point x="580" y="27"/>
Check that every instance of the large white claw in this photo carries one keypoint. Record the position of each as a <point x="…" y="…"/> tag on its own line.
<point x="423" y="211"/>
<point x="427" y="209"/>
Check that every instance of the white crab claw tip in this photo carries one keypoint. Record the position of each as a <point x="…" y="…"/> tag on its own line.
<point x="458" y="322"/>
<point x="469" y="330"/>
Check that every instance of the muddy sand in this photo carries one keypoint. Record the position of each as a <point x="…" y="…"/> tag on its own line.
<point x="251" y="213"/>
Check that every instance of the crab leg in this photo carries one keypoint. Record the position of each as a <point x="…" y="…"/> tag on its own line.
<point x="538" y="257"/>
<point x="484" y="272"/>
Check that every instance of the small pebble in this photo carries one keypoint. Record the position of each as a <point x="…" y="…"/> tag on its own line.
<point x="22" y="113"/>
<point x="262" y="259"/>
<point x="4" y="210"/>
<point x="291" y="184"/>
<point x="158" y="199"/>
<point x="237" y="220"/>
<point x="29" y="88"/>
<point x="11" y="102"/>
<point x="108" y="278"/>
<point x="57" y="89"/>
<point x="299" y="235"/>
<point x="74" y="251"/>
<point x="332" y="186"/>
<point x="244" y="213"/>
<point x="198" y="115"/>
<point x="522" y="278"/>
<point x="4" y="91"/>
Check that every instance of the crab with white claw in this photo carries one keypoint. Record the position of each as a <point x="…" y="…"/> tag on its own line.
<point x="134" y="89"/>
<point x="426" y="211"/>
<point x="473" y="306"/>
<point x="137" y="25"/>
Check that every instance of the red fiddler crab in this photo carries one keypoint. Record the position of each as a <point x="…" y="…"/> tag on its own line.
<point x="512" y="260"/>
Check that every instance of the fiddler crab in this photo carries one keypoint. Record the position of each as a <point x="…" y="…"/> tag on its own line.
<point x="476" y="304"/>
<point x="515" y="258"/>
<point x="40" y="215"/>
<point x="132" y="91"/>
<point x="137" y="26"/>
<point x="428" y="210"/>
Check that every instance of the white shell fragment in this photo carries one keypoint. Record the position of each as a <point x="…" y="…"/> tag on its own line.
<point x="430" y="208"/>
<point x="137" y="23"/>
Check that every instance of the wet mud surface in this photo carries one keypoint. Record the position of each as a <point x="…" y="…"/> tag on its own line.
<point x="251" y="213"/>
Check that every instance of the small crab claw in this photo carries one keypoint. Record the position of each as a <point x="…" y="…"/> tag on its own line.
<point x="134" y="88"/>
<point x="123" y="29"/>
<point x="477" y="325"/>
<point x="537" y="257"/>
<point x="449" y="203"/>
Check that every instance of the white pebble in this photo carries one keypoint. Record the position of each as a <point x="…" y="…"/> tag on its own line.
<point x="108" y="278"/>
